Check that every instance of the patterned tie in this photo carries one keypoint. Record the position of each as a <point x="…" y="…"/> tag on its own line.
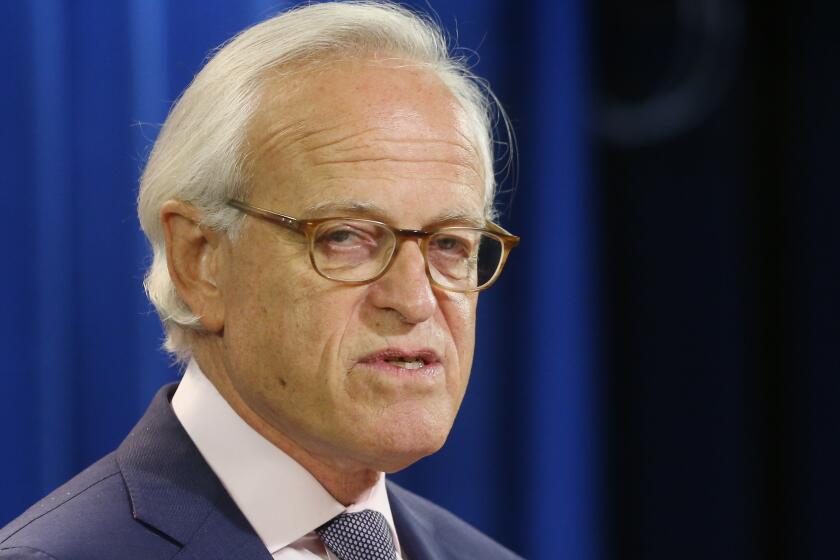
<point x="359" y="536"/>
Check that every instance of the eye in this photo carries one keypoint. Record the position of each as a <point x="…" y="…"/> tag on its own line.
<point x="349" y="237"/>
<point x="446" y="243"/>
<point x="452" y="245"/>
<point x="340" y="236"/>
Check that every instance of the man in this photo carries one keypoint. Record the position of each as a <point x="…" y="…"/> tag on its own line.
<point x="318" y="203"/>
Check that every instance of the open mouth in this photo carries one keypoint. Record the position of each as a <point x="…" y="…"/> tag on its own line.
<point x="403" y="359"/>
<point x="407" y="363"/>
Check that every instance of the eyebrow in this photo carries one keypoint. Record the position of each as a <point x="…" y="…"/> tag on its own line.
<point x="372" y="211"/>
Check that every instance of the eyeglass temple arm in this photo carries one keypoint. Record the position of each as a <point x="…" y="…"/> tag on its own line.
<point x="509" y="239"/>
<point x="281" y="219"/>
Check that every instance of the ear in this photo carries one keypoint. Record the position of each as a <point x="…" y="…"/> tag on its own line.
<point x="195" y="257"/>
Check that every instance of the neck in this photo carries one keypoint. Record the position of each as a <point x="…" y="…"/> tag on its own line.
<point x="346" y="483"/>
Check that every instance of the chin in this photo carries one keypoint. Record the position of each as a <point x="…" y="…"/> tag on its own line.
<point x="404" y="445"/>
<point x="396" y="460"/>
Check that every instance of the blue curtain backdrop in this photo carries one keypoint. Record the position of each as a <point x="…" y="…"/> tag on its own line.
<point x="86" y="84"/>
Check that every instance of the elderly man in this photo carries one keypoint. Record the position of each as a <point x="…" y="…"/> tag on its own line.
<point x="319" y="203"/>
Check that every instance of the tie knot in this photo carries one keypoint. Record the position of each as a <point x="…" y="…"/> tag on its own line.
<point x="363" y="535"/>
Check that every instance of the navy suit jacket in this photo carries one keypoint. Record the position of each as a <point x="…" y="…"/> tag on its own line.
<point x="155" y="497"/>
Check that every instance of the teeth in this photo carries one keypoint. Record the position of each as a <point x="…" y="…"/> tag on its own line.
<point x="413" y="364"/>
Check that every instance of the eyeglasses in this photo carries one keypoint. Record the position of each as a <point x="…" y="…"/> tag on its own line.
<point x="358" y="251"/>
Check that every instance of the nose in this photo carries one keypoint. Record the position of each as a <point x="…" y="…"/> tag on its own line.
<point x="405" y="288"/>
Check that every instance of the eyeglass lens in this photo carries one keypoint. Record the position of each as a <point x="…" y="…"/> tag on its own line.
<point x="356" y="251"/>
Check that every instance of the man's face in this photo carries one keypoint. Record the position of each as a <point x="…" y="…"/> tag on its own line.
<point x="325" y="363"/>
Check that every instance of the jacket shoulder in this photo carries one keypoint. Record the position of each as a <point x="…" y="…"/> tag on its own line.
<point x="24" y="553"/>
<point x="88" y="517"/>
<point x="88" y="478"/>
<point x="461" y="539"/>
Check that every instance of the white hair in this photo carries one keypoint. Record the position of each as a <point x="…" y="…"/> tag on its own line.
<point x="198" y="156"/>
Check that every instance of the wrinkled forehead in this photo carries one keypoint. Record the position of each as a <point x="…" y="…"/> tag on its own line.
<point x="369" y="111"/>
<point x="304" y="94"/>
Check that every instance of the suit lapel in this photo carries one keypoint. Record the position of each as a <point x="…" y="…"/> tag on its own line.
<point x="417" y="538"/>
<point x="225" y="534"/>
<point x="174" y="491"/>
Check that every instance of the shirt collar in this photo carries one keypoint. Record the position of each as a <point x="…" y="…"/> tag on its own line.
<point x="280" y="499"/>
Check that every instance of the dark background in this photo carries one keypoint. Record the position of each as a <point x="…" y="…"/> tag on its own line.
<point x="653" y="375"/>
<point x="716" y="148"/>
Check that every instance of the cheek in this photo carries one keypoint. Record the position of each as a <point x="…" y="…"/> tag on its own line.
<point x="266" y="303"/>
<point x="459" y="313"/>
<point x="300" y="323"/>
<point x="285" y="342"/>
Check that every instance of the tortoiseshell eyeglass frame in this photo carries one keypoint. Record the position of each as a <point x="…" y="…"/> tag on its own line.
<point x="308" y="227"/>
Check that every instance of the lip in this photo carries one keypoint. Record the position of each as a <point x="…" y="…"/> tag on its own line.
<point x="380" y="360"/>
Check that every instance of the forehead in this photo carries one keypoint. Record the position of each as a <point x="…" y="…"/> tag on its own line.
<point x="382" y="133"/>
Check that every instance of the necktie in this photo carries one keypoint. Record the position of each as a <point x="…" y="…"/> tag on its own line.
<point x="358" y="536"/>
